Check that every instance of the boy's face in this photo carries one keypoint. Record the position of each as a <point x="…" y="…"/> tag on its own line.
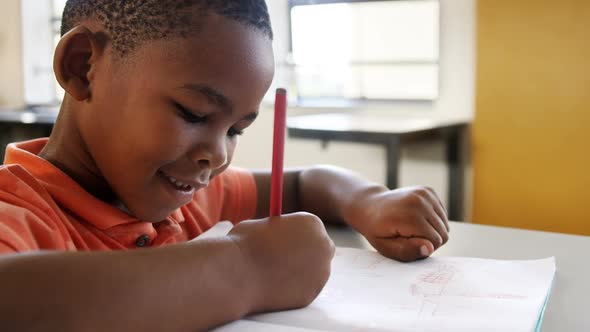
<point x="162" y="126"/>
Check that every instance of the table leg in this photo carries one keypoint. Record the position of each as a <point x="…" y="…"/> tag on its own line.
<point x="393" y="156"/>
<point x="456" y="174"/>
<point x="4" y="140"/>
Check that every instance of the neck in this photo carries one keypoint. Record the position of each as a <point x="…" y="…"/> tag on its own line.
<point x="67" y="151"/>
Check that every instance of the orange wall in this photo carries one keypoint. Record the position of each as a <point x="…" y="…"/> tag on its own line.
<point x="531" y="136"/>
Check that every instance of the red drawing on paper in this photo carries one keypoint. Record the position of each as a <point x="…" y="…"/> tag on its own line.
<point x="436" y="284"/>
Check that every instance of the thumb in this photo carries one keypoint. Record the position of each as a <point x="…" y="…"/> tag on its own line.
<point x="405" y="249"/>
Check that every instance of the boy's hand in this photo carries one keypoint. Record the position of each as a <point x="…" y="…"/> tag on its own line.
<point x="289" y="258"/>
<point x="404" y="224"/>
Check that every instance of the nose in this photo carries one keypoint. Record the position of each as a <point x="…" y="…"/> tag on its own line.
<point x="210" y="153"/>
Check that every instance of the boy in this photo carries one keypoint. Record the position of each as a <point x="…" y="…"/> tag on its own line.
<point x="157" y="92"/>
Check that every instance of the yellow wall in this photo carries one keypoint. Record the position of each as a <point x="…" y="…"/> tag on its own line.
<point x="531" y="137"/>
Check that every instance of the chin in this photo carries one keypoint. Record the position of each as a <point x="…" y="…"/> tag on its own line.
<point x="152" y="216"/>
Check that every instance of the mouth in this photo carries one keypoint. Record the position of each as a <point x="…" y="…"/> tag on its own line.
<point x="185" y="186"/>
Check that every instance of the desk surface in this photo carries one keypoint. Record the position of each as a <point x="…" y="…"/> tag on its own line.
<point x="568" y="308"/>
<point x="370" y="123"/>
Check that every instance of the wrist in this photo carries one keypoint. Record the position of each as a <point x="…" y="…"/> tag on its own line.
<point x="250" y="285"/>
<point x="354" y="209"/>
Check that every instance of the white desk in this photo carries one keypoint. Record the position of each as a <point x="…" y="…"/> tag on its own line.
<point x="568" y="308"/>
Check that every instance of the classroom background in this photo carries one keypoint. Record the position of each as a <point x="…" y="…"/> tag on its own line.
<point x="378" y="87"/>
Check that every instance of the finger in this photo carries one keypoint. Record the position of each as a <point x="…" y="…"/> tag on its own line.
<point x="421" y="227"/>
<point x="437" y="198"/>
<point x="404" y="249"/>
<point x="439" y="207"/>
<point x="434" y="220"/>
<point x="432" y="234"/>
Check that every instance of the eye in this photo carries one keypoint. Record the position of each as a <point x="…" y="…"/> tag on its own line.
<point x="234" y="132"/>
<point x="189" y="116"/>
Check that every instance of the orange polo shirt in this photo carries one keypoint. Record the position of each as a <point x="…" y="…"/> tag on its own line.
<point x="42" y="208"/>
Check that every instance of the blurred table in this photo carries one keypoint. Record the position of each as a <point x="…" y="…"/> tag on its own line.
<point x="25" y="124"/>
<point x="391" y="132"/>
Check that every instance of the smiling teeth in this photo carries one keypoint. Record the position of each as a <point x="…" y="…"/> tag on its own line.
<point x="178" y="184"/>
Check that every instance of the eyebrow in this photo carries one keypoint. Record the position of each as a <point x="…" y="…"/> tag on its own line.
<point x="214" y="96"/>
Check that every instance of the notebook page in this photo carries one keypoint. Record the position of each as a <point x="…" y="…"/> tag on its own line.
<point x="368" y="292"/>
<point x="253" y="326"/>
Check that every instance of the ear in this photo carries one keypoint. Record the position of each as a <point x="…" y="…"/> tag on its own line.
<point x="75" y="57"/>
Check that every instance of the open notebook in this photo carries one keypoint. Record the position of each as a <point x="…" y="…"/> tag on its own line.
<point x="368" y="292"/>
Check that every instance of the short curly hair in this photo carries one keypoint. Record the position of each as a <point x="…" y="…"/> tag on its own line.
<point x="132" y="22"/>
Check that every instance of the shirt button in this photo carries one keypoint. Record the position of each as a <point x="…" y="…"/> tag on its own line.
<point x="142" y="241"/>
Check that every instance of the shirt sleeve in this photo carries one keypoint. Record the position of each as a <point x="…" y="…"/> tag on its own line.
<point x="239" y="195"/>
<point x="19" y="229"/>
<point x="6" y="249"/>
<point x="25" y="222"/>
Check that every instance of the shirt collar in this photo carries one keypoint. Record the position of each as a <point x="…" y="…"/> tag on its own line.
<point x="68" y="194"/>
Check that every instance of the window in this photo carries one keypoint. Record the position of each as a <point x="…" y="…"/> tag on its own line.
<point x="378" y="50"/>
<point x="57" y="11"/>
<point x="40" y="32"/>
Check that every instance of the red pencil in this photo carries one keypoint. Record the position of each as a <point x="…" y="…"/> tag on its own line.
<point x="278" y="150"/>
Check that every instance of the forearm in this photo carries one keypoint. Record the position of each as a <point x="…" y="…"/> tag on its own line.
<point x="329" y="192"/>
<point x="168" y="289"/>
<point x="325" y="191"/>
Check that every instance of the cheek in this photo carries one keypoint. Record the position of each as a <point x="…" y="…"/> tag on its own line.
<point x="159" y="139"/>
